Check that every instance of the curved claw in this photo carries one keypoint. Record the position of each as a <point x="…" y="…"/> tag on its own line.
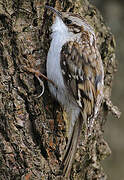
<point x="38" y="75"/>
<point x="41" y="84"/>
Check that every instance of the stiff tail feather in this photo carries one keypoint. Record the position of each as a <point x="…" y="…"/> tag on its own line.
<point x="71" y="149"/>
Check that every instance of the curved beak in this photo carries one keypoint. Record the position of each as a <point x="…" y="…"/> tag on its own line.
<point x="54" y="11"/>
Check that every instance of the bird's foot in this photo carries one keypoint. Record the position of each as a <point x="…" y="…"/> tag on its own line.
<point x="38" y="75"/>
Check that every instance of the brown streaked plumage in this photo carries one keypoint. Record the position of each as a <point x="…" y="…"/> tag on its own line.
<point x="75" y="66"/>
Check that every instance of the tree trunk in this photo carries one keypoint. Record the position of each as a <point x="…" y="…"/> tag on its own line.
<point x="32" y="130"/>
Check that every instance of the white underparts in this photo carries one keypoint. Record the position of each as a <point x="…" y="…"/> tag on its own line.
<point x="60" y="36"/>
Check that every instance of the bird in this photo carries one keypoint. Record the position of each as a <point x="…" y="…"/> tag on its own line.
<point x="75" y="67"/>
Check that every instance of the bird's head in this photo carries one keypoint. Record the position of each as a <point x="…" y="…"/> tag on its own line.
<point x="69" y="22"/>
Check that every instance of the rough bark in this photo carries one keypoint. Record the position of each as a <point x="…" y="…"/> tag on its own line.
<point x="32" y="130"/>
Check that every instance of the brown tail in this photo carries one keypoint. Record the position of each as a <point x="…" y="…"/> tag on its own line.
<point x="71" y="149"/>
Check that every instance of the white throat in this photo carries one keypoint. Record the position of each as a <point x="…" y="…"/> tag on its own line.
<point x="59" y="26"/>
<point x="60" y="36"/>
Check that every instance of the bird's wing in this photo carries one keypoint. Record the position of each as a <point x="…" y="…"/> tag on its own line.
<point x="82" y="71"/>
<point x="83" y="74"/>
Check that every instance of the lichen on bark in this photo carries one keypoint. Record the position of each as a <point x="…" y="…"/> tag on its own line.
<point x="32" y="130"/>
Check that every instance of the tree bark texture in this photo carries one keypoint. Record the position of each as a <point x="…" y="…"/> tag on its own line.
<point x="32" y="130"/>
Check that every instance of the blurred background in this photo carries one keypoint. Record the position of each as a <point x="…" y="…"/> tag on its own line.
<point x="113" y="14"/>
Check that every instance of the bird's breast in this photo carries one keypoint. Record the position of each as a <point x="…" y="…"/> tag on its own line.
<point x="53" y="64"/>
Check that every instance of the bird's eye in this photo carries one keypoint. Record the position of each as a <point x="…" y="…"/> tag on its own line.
<point x="67" y="21"/>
